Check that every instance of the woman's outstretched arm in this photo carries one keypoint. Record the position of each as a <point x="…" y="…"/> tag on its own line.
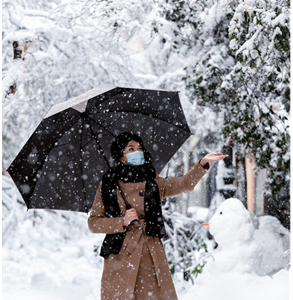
<point x="178" y="185"/>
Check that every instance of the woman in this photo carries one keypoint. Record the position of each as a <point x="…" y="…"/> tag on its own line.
<point x="135" y="265"/>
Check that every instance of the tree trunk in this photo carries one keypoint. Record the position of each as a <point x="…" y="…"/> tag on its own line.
<point x="240" y="179"/>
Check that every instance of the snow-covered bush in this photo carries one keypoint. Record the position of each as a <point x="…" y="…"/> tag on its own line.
<point x="185" y="244"/>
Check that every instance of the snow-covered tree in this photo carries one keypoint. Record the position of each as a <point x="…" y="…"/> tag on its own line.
<point x="242" y="71"/>
<point x="77" y="49"/>
<point x="259" y="111"/>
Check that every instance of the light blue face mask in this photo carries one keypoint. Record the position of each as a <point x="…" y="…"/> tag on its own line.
<point x="135" y="158"/>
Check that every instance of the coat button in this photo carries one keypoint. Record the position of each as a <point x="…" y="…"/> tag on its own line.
<point x="141" y="193"/>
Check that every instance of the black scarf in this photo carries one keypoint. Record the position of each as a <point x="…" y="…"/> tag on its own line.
<point x="154" y="223"/>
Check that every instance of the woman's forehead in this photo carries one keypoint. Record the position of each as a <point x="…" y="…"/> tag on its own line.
<point x="132" y="143"/>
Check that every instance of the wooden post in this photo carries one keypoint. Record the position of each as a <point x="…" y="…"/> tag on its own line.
<point x="250" y="183"/>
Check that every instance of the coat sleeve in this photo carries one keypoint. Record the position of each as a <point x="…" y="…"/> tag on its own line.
<point x="174" y="186"/>
<point x="99" y="223"/>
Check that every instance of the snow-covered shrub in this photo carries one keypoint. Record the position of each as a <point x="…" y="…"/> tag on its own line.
<point x="185" y="244"/>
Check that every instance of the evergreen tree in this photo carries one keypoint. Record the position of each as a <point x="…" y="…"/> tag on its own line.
<point x="259" y="111"/>
<point x="243" y="72"/>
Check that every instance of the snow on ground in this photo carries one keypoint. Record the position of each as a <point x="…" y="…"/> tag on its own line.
<point x="49" y="255"/>
<point x="237" y="286"/>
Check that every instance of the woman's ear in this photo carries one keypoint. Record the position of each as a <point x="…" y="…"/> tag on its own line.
<point x="123" y="159"/>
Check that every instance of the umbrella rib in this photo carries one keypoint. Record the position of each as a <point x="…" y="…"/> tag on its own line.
<point x="115" y="121"/>
<point x="56" y="123"/>
<point x="86" y="143"/>
<point x="75" y="141"/>
<point x="98" y="123"/>
<point x="108" y="115"/>
<point x="98" y="143"/>
<point x="81" y="170"/>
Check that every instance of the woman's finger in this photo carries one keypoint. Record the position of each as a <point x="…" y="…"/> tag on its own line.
<point x="220" y="157"/>
<point x="218" y="154"/>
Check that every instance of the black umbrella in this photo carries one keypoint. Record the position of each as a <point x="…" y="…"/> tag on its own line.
<point x="61" y="165"/>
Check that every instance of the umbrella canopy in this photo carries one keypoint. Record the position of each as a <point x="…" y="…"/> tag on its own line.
<point x="62" y="163"/>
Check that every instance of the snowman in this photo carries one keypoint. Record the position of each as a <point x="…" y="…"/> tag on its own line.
<point x="245" y="243"/>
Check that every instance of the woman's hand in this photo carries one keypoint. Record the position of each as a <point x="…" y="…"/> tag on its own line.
<point x="212" y="157"/>
<point x="130" y="215"/>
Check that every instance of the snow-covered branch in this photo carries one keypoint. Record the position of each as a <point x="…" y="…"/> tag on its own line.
<point x="23" y="47"/>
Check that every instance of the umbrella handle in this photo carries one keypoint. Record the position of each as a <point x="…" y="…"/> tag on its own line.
<point x="128" y="206"/>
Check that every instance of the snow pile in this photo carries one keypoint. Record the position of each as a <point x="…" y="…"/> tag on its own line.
<point x="248" y="250"/>
<point x="47" y="254"/>
<point x="236" y="286"/>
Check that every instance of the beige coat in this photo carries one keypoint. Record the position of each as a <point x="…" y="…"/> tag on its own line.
<point x="140" y="270"/>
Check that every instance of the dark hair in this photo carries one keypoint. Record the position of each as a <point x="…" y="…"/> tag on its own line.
<point x="118" y="146"/>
